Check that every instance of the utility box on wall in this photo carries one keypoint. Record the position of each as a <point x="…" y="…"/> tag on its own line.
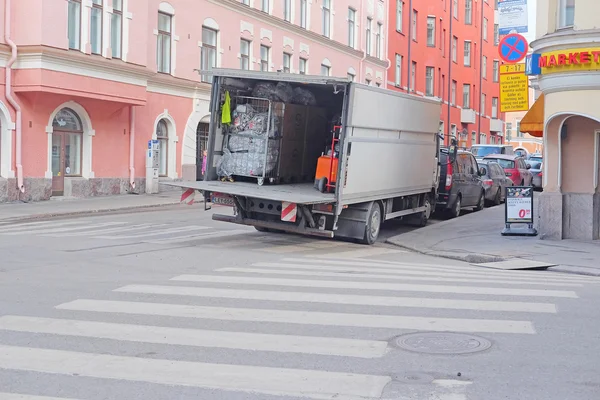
<point x="152" y="164"/>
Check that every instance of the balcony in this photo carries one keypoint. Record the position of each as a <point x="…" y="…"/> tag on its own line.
<point x="467" y="116"/>
<point x="496" y="125"/>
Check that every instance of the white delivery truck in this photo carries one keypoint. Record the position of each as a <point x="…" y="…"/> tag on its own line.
<point x="318" y="155"/>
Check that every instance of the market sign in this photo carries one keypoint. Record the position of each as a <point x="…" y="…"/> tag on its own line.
<point x="518" y="209"/>
<point x="512" y="16"/>
<point x="584" y="59"/>
<point x="514" y="88"/>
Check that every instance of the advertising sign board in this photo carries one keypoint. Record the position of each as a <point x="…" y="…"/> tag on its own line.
<point x="512" y="16"/>
<point x="518" y="209"/>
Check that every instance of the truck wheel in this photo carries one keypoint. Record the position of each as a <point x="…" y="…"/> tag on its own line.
<point x="425" y="215"/>
<point x="373" y="225"/>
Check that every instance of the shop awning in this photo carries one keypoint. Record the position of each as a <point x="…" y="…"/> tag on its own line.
<point x="533" y="121"/>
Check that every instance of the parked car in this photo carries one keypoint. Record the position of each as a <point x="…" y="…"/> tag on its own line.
<point x="482" y="150"/>
<point x="536" y="171"/>
<point x="514" y="167"/>
<point x="535" y="157"/>
<point x="494" y="181"/>
<point x="460" y="184"/>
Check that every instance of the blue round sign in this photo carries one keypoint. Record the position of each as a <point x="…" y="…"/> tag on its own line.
<point x="513" y="48"/>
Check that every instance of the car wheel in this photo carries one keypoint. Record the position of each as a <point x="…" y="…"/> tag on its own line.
<point x="425" y="215"/>
<point x="498" y="197"/>
<point x="455" y="210"/>
<point x="373" y="225"/>
<point x="481" y="202"/>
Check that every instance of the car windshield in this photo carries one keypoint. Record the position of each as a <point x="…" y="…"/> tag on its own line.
<point x="536" y="159"/>
<point x="505" y="163"/>
<point x="535" y="164"/>
<point x="482" y="151"/>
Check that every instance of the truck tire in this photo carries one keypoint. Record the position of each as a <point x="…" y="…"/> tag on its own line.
<point x="425" y="215"/>
<point x="372" y="225"/>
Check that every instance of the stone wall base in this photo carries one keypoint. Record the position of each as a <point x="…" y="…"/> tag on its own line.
<point x="569" y="216"/>
<point x="36" y="189"/>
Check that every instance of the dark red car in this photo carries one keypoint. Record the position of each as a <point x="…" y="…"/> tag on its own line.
<point x="515" y="168"/>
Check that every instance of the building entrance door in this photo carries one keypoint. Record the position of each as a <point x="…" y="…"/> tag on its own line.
<point x="201" y="146"/>
<point x="67" y="146"/>
<point x="58" y="164"/>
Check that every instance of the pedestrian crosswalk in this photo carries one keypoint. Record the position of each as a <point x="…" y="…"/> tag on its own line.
<point x="251" y="311"/>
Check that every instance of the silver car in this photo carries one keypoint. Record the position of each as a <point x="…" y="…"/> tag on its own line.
<point x="536" y="171"/>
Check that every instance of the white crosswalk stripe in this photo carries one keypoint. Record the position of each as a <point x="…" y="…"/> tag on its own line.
<point x="259" y="303"/>
<point x="15" y="396"/>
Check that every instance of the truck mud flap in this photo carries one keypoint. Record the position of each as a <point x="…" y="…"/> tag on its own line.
<point x="273" y="225"/>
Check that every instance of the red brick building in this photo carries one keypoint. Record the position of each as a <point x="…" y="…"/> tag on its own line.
<point x="448" y="49"/>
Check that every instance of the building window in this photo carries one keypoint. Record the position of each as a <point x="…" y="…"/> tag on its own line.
<point x="74" y="24"/>
<point x="494" y="107"/>
<point x="325" y="70"/>
<point x="454" y="47"/>
<point x="264" y="58"/>
<point x="326" y="18"/>
<point x="162" y="135"/>
<point x="96" y="26"/>
<point x="566" y="13"/>
<point x="484" y="67"/>
<point x="413" y="76"/>
<point x="467" y="54"/>
<point x="399" y="15"/>
<point x="415" y="17"/>
<point x="244" y="54"/>
<point x="496" y="71"/>
<point x="378" y="37"/>
<point x="368" y="37"/>
<point x="453" y="130"/>
<point x="303" y="13"/>
<point x="508" y="131"/>
<point x="455" y="8"/>
<point x="265" y="6"/>
<point x="468" y="12"/>
<point x="69" y="132"/>
<point x="483" y="109"/>
<point x="429" y="81"/>
<point x="485" y="29"/>
<point x="496" y="34"/>
<point x="453" y="93"/>
<point x="287" y="10"/>
<point x="302" y="66"/>
<point x="164" y="43"/>
<point x="473" y="138"/>
<point x="208" y="56"/>
<point x="398" y="74"/>
<point x="431" y="31"/>
<point x="287" y="63"/>
<point x="519" y="133"/>
<point x="466" y="95"/>
<point x="116" y="29"/>
<point x="351" y="27"/>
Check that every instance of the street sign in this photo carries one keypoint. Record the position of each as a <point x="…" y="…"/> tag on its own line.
<point x="513" y="48"/>
<point x="518" y="209"/>
<point x="512" y="16"/>
<point x="514" y="88"/>
<point x="532" y="64"/>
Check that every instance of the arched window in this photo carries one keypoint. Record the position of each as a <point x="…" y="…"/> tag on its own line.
<point x="67" y="120"/>
<point x="162" y="135"/>
<point x="67" y="140"/>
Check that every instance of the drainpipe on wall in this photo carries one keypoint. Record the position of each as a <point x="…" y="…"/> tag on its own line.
<point x="363" y="16"/>
<point x="131" y="149"/>
<point x="387" y="49"/>
<point x="450" y="40"/>
<point x="481" y="112"/>
<point x="9" y="97"/>
<point x="409" y="63"/>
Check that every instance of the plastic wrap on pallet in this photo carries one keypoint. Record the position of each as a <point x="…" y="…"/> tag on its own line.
<point x="304" y="97"/>
<point x="225" y="166"/>
<point x="248" y="144"/>
<point x="284" y="91"/>
<point x="265" y="90"/>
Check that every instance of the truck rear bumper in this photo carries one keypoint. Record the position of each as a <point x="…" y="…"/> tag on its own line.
<point x="273" y="225"/>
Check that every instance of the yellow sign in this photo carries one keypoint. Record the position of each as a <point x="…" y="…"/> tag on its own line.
<point x="571" y="60"/>
<point x="514" y="88"/>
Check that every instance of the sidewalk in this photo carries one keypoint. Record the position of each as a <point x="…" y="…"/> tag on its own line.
<point x="475" y="238"/>
<point x="65" y="206"/>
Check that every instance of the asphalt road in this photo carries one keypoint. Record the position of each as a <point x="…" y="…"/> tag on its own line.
<point x="172" y="305"/>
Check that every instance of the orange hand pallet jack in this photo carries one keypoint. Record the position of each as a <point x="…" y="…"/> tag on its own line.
<point x="327" y="165"/>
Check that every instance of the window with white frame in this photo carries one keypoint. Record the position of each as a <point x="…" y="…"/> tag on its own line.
<point x="398" y="71"/>
<point x="484" y="67"/>
<point x="287" y="63"/>
<point x="264" y="57"/>
<point x="431" y="31"/>
<point x="287" y="10"/>
<point x="96" y="26"/>
<point x="453" y="130"/>
<point x="485" y="29"/>
<point x="496" y="71"/>
<point x="162" y="135"/>
<point x="415" y="17"/>
<point x="508" y="131"/>
<point x="494" y="107"/>
<point x="74" y="29"/>
<point x="265" y="6"/>
<point x="399" y="15"/>
<point x="163" y="54"/>
<point x="326" y="18"/>
<point x="302" y="65"/>
<point x="454" y="48"/>
<point x="413" y="76"/>
<point x="566" y="13"/>
<point x="429" y="81"/>
<point x="466" y="95"/>
<point x="483" y="109"/>
<point x="303" y="13"/>
<point x="468" y="12"/>
<point x="496" y="34"/>
<point x="116" y="29"/>
<point x="467" y="54"/>
<point x="368" y="37"/>
<point x="455" y="8"/>
<point x="482" y="138"/>
<point x="325" y="70"/>
<point x="453" y="93"/>
<point x="351" y="27"/>
<point x="208" y="56"/>
<point x="244" y="54"/>
<point x="378" y="39"/>
<point x="519" y="133"/>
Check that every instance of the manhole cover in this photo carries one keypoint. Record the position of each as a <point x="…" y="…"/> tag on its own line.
<point x="442" y="343"/>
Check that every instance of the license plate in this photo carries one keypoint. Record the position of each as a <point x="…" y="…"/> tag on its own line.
<point x="222" y="199"/>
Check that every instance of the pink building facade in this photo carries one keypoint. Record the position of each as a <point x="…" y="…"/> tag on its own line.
<point x="87" y="83"/>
